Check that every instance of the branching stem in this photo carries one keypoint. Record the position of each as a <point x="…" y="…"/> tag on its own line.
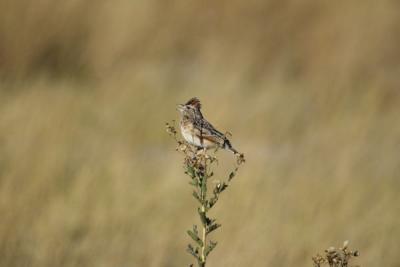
<point x="203" y="194"/>
<point x="197" y="166"/>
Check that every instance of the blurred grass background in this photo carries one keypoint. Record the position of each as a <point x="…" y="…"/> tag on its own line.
<point x="309" y="89"/>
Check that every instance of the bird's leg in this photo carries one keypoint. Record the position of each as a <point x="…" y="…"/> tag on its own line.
<point x="201" y="151"/>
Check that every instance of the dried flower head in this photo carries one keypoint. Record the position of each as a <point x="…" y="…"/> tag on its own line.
<point x="336" y="257"/>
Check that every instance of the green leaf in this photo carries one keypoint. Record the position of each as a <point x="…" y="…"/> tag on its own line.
<point x="193" y="252"/>
<point x="232" y="174"/>
<point x="210" y="221"/>
<point x="210" y="247"/>
<point x="195" y="229"/>
<point x="204" y="185"/>
<point x="213" y="227"/>
<point x="212" y="202"/>
<point x="203" y="217"/>
<point x="194" y="182"/>
<point x="190" y="171"/>
<point x="219" y="188"/>
<point x="196" y="196"/>
<point x="195" y="238"/>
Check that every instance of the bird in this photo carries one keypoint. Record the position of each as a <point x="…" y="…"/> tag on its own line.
<point x="197" y="131"/>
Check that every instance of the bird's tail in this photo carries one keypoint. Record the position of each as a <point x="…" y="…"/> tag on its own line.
<point x="227" y="145"/>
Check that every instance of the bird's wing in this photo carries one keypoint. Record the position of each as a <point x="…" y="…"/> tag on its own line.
<point x="208" y="132"/>
<point x="208" y="129"/>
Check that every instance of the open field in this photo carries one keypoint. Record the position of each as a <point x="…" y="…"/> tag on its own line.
<point x="310" y="91"/>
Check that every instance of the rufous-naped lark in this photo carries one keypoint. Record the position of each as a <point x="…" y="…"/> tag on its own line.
<point x="197" y="131"/>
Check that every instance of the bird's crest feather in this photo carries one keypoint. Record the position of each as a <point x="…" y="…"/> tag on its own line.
<point x="195" y="102"/>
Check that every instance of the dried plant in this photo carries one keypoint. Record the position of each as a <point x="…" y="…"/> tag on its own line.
<point x="336" y="257"/>
<point x="198" y="166"/>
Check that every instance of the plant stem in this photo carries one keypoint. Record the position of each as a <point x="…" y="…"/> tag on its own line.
<point x="203" y="193"/>
<point x="203" y="239"/>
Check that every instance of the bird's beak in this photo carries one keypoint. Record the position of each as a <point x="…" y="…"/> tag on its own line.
<point x="179" y="107"/>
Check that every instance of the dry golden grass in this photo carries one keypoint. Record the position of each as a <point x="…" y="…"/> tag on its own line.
<point x="309" y="89"/>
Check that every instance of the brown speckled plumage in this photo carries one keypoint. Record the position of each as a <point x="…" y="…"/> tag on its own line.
<point x="198" y="131"/>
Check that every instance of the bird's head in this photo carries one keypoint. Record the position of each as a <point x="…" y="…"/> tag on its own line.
<point x="190" y="109"/>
